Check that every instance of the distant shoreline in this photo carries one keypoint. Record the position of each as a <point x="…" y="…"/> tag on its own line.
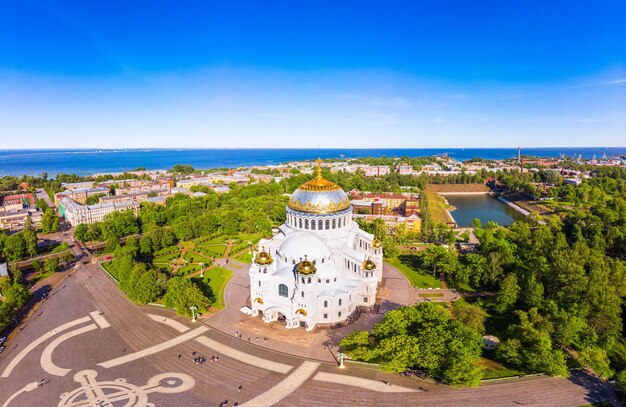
<point x="87" y="162"/>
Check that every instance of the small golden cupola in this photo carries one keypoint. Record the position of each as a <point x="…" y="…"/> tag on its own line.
<point x="263" y="258"/>
<point x="377" y="243"/>
<point x="306" y="267"/>
<point x="369" y="265"/>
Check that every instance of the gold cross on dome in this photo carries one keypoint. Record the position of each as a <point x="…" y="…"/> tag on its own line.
<point x="319" y="166"/>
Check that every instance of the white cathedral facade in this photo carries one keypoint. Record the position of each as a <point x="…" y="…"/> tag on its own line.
<point x="320" y="267"/>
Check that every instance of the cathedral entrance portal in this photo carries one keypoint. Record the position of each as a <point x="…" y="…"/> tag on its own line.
<point x="282" y="319"/>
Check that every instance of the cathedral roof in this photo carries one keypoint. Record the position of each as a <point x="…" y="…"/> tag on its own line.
<point x="299" y="244"/>
<point x="319" y="196"/>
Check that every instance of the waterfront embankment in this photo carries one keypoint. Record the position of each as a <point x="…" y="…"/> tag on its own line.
<point x="465" y="193"/>
<point x="514" y="206"/>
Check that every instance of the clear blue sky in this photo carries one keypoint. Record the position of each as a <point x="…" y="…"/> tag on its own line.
<point x="308" y="74"/>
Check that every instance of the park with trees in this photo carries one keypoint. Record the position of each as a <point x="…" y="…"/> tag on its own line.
<point x="553" y="284"/>
<point x="558" y="285"/>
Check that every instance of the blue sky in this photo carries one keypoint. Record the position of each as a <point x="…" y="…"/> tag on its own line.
<point x="114" y="74"/>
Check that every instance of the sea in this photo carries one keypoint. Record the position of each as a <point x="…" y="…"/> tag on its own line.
<point x="92" y="161"/>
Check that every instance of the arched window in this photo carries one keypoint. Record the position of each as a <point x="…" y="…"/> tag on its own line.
<point x="325" y="304"/>
<point x="340" y="302"/>
<point x="306" y="223"/>
<point x="300" y="223"/>
<point x="309" y="280"/>
<point x="327" y="226"/>
<point x="293" y="261"/>
<point x="313" y="225"/>
<point x="319" y="224"/>
<point x="302" y="280"/>
<point x="334" y="223"/>
<point x="283" y="291"/>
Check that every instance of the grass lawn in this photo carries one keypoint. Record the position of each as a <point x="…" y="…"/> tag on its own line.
<point x="108" y="267"/>
<point x="214" y="250"/>
<point x="427" y="295"/>
<point x="242" y="242"/>
<point x="217" y="278"/>
<point x="214" y="240"/>
<point x="418" y="277"/>
<point x="165" y="259"/>
<point x="183" y="271"/>
<point x="495" y="370"/>
<point x="244" y="258"/>
<point x="196" y="258"/>
<point x="436" y="207"/>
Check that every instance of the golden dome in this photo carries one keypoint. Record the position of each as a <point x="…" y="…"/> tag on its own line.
<point x="369" y="265"/>
<point x="377" y="243"/>
<point x="306" y="267"/>
<point x="263" y="258"/>
<point x="319" y="195"/>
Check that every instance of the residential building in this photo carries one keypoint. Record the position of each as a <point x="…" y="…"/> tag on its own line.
<point x="77" y="214"/>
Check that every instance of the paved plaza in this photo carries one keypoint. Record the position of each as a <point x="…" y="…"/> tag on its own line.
<point x="87" y="345"/>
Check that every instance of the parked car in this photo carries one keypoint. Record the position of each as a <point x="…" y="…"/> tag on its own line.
<point x="4" y="338"/>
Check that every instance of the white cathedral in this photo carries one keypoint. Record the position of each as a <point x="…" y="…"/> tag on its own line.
<point x="320" y="267"/>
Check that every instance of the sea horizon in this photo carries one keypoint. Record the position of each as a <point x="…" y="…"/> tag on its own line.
<point x="89" y="161"/>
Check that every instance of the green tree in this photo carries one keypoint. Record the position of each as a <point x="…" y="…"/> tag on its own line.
<point x="144" y="286"/>
<point x="30" y="240"/>
<point x="81" y="233"/>
<point x="181" y="294"/>
<point x="597" y="359"/>
<point x="15" y="247"/>
<point x="471" y="315"/>
<point x="51" y="265"/>
<point x="49" y="221"/>
<point x="620" y="380"/>
<point x="424" y="337"/>
<point x="464" y="349"/>
<point x="507" y="296"/>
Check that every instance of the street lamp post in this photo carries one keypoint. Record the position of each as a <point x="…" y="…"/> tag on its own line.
<point x="201" y="270"/>
<point x="342" y="358"/>
<point x="193" y="313"/>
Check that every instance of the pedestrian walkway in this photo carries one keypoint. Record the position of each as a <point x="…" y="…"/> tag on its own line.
<point x="285" y="387"/>
<point x="375" y="385"/>
<point x="154" y="349"/>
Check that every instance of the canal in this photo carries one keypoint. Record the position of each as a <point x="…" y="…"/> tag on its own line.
<point x="483" y="207"/>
